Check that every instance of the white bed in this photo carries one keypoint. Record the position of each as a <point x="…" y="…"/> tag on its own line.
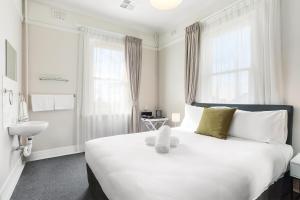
<point x="201" y="167"/>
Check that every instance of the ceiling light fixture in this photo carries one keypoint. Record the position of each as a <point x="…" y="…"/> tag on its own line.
<point x="165" y="4"/>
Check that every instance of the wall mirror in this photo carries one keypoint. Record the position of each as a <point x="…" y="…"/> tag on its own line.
<point x="11" y="61"/>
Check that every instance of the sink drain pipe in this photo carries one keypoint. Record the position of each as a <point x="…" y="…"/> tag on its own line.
<point x="27" y="147"/>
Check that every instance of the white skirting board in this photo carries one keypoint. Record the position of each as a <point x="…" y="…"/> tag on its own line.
<point x="11" y="181"/>
<point x="56" y="152"/>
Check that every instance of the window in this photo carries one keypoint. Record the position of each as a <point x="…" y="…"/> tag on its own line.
<point x="105" y="103"/>
<point x="111" y="86"/>
<point x="231" y="65"/>
<point x="110" y="82"/>
<point x="226" y="62"/>
<point x="240" y="58"/>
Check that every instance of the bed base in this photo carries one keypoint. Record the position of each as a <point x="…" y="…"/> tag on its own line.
<point x="94" y="186"/>
<point x="280" y="190"/>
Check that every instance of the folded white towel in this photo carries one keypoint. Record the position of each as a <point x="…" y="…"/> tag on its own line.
<point x="163" y="140"/>
<point x="42" y="102"/>
<point x="151" y="140"/>
<point x="174" y="141"/>
<point x="64" y="102"/>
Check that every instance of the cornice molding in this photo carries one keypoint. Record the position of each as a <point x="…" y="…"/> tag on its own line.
<point x="140" y="28"/>
<point x="171" y="42"/>
<point x="73" y="29"/>
<point x="34" y="17"/>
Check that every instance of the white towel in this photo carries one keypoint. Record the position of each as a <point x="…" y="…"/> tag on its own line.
<point x="42" y="102"/>
<point x="163" y="141"/>
<point x="151" y="140"/>
<point x="63" y="102"/>
<point x="23" y="111"/>
<point x="174" y="141"/>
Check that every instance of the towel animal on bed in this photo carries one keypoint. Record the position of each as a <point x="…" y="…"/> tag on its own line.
<point x="163" y="141"/>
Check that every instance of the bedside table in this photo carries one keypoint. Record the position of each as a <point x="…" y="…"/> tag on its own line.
<point x="295" y="173"/>
<point x="295" y="166"/>
<point x="153" y="124"/>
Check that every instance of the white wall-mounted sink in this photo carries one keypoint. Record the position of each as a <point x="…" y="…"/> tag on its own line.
<point x="30" y="128"/>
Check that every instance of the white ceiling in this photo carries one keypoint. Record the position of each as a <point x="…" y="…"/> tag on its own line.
<point x="144" y="14"/>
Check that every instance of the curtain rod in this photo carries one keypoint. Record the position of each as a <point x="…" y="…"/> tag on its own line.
<point x="99" y="30"/>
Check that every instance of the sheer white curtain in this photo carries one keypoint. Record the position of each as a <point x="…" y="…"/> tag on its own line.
<point x="241" y="54"/>
<point x="105" y="103"/>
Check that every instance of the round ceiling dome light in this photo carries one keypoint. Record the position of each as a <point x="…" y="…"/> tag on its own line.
<point x="165" y="4"/>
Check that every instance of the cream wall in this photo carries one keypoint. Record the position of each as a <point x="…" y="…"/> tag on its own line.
<point x="55" y="51"/>
<point x="148" y="90"/>
<point x="171" y="79"/>
<point x="291" y="61"/>
<point x="10" y="29"/>
<point x="171" y="67"/>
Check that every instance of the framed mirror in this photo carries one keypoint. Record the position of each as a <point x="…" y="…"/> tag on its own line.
<point x="11" y="61"/>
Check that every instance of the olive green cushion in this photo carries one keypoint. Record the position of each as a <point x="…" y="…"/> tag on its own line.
<point x="215" y="122"/>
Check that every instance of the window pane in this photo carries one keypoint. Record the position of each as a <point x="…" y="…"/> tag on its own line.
<point x="231" y="50"/>
<point x="223" y="87"/>
<point x="111" y="96"/>
<point x="111" y="86"/>
<point x="226" y="56"/>
<point x="109" y="64"/>
<point x="230" y="87"/>
<point x="243" y="84"/>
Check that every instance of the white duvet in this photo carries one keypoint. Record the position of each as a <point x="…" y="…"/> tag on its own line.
<point x="200" y="168"/>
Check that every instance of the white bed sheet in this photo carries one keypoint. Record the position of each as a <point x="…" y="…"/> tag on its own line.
<point x="200" y="168"/>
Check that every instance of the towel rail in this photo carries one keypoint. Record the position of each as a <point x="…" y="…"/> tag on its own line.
<point x="11" y="91"/>
<point x="7" y="91"/>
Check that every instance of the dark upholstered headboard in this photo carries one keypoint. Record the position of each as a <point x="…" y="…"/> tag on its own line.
<point x="253" y="107"/>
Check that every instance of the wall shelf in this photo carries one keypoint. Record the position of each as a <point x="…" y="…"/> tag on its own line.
<point x="53" y="79"/>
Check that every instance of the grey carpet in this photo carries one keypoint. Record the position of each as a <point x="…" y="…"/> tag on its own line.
<point x="54" y="179"/>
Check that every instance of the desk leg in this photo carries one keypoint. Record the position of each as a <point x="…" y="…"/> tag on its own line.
<point x="149" y="126"/>
<point x="153" y="126"/>
<point x="159" y="124"/>
<point x="163" y="123"/>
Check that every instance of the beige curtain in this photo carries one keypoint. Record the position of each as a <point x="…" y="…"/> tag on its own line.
<point x="133" y="59"/>
<point x="192" y="50"/>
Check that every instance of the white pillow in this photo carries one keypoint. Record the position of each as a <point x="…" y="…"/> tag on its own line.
<point x="264" y="126"/>
<point x="192" y="117"/>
